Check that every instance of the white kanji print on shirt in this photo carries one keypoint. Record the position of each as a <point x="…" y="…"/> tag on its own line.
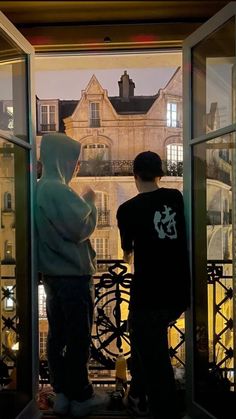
<point x="165" y="224"/>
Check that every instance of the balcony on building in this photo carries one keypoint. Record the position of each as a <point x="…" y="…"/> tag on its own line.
<point x="96" y="167"/>
<point x="103" y="218"/>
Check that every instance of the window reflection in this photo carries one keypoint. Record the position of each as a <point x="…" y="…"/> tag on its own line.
<point x="214" y="208"/>
<point x="213" y="80"/>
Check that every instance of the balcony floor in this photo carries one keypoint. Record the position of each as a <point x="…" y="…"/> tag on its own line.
<point x="115" y="409"/>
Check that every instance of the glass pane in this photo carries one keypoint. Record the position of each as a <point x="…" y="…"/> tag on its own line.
<point x="213" y="77"/>
<point x="13" y="89"/>
<point x="14" y="250"/>
<point x="214" y="258"/>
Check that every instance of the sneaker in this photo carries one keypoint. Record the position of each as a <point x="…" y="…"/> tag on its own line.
<point x="136" y="406"/>
<point x="61" y="404"/>
<point x="97" y="401"/>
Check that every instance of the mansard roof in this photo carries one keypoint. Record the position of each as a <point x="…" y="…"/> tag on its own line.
<point x="133" y="104"/>
<point x="66" y="108"/>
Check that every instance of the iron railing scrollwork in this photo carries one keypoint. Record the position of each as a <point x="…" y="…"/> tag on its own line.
<point x="99" y="167"/>
<point x="220" y="283"/>
<point x="110" y="334"/>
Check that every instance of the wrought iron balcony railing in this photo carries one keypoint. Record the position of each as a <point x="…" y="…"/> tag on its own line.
<point x="97" y="167"/>
<point x="110" y="332"/>
<point x="112" y="290"/>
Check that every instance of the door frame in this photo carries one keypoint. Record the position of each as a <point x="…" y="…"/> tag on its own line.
<point x="26" y="406"/>
<point x="220" y="18"/>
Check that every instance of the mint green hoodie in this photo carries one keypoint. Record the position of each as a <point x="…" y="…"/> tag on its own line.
<point x="64" y="220"/>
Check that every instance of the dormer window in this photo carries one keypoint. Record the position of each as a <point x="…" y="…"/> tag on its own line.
<point x="171" y="114"/>
<point x="94" y="115"/>
<point x="47" y="118"/>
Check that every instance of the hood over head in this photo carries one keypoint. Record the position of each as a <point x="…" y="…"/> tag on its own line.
<point x="59" y="156"/>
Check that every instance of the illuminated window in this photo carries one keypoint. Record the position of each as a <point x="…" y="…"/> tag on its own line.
<point x="42" y="302"/>
<point x="48" y="118"/>
<point x="171" y="115"/>
<point x="175" y="153"/>
<point x="43" y="343"/>
<point x="94" y="115"/>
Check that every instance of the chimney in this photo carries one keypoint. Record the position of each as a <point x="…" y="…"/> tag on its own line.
<point x="126" y="86"/>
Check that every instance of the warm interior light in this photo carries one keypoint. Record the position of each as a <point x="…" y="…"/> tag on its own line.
<point x="15" y="347"/>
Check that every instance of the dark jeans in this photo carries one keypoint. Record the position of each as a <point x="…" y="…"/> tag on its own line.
<point x="70" y="315"/>
<point x="151" y="369"/>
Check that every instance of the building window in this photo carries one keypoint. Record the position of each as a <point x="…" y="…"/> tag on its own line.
<point x="8" y="250"/>
<point x="7" y="201"/>
<point x="43" y="343"/>
<point x="171" y="115"/>
<point x="8" y="293"/>
<point x="175" y="160"/>
<point x="102" y="200"/>
<point x="100" y="246"/>
<point x="95" y="151"/>
<point x="47" y="118"/>
<point x="94" y="115"/>
<point x="175" y="152"/>
<point x="42" y="302"/>
<point x="102" y="207"/>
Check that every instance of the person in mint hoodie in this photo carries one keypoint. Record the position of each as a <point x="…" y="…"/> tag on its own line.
<point x="66" y="260"/>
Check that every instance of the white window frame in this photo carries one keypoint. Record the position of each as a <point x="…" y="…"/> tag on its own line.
<point x="49" y="120"/>
<point x="174" y="152"/>
<point x="101" y="247"/>
<point x="171" y="114"/>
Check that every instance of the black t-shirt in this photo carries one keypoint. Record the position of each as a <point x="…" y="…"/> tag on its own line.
<point x="152" y="224"/>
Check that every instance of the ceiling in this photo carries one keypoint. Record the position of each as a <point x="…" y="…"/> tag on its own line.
<point x="70" y="25"/>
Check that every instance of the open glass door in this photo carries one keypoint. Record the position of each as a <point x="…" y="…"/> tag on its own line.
<point x="18" y="313"/>
<point x="210" y="191"/>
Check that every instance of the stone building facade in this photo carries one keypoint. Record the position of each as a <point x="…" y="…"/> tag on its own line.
<point x="112" y="131"/>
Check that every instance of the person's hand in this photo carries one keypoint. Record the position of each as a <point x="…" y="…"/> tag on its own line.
<point x="88" y="194"/>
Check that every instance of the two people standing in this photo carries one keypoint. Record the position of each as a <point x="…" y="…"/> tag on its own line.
<point x="152" y="228"/>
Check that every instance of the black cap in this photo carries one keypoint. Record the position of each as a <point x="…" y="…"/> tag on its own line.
<point x="148" y="165"/>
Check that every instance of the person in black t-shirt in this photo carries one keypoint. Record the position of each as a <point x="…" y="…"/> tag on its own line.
<point x="152" y="230"/>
